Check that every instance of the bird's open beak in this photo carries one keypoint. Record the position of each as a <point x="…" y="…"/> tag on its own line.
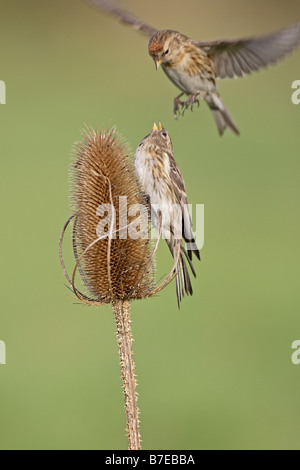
<point x="159" y="128"/>
<point x="158" y="63"/>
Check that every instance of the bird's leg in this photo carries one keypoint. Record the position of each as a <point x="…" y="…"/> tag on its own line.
<point x="177" y="102"/>
<point x="190" y="102"/>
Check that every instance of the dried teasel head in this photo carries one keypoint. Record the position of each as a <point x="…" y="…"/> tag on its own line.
<point x="111" y="224"/>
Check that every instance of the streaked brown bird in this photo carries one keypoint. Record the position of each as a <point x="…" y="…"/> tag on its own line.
<point x="194" y="66"/>
<point x="162" y="181"/>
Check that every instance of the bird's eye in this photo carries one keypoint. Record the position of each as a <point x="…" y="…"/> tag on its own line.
<point x="166" y="52"/>
<point x="164" y="134"/>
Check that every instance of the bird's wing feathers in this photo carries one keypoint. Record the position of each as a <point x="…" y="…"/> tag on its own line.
<point x="177" y="181"/>
<point x="181" y="198"/>
<point x="237" y="58"/>
<point x="111" y="7"/>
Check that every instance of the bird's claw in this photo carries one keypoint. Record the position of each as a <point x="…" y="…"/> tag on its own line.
<point x="190" y="102"/>
<point x="177" y="103"/>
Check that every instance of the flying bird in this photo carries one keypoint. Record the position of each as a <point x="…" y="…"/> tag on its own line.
<point x="162" y="181"/>
<point x="194" y="66"/>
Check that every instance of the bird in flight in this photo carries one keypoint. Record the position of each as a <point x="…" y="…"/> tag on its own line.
<point x="194" y="66"/>
<point x="162" y="181"/>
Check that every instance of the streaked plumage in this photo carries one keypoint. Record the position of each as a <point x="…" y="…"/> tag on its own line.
<point x="161" y="180"/>
<point x="194" y="66"/>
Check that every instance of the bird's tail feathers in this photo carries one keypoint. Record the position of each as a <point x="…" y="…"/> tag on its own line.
<point x="188" y="236"/>
<point x="183" y="280"/>
<point x="191" y="249"/>
<point x="221" y="114"/>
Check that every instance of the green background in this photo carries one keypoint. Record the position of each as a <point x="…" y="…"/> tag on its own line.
<point x="218" y="374"/>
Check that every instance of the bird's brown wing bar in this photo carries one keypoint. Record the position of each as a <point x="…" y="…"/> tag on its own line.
<point x="238" y="58"/>
<point x="114" y="9"/>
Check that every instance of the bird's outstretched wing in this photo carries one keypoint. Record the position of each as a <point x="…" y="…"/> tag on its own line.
<point x="244" y="56"/>
<point x="114" y="9"/>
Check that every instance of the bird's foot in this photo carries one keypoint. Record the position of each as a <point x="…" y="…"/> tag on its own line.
<point x="190" y="102"/>
<point x="177" y="103"/>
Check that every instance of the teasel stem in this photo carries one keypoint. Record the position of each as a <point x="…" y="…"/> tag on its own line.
<point x="122" y="318"/>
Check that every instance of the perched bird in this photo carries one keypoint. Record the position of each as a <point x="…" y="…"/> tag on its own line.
<point x="161" y="180"/>
<point x="194" y="66"/>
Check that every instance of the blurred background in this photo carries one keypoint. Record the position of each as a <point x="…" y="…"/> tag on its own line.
<point x="218" y="374"/>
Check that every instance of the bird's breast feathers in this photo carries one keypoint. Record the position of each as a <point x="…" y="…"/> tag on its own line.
<point x="193" y="74"/>
<point x="153" y="174"/>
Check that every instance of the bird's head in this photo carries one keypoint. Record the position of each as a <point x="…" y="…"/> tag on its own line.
<point x="160" y="137"/>
<point x="166" y="47"/>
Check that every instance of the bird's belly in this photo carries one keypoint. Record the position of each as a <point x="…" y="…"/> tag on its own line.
<point x="144" y="171"/>
<point x="189" y="84"/>
<point x="156" y="189"/>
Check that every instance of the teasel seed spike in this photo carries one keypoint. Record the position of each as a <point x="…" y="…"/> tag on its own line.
<point x="75" y="251"/>
<point x="62" y="259"/>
